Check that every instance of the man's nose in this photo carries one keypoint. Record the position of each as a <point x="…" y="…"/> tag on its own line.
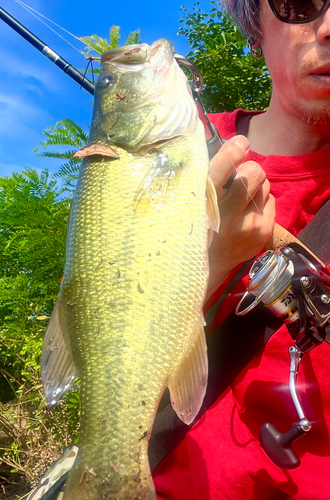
<point x="323" y="28"/>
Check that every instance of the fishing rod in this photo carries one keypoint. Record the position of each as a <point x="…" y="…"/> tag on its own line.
<point x="214" y="141"/>
<point x="47" y="51"/>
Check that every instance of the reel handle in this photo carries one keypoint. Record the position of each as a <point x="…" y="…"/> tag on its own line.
<point x="281" y="238"/>
<point x="277" y="445"/>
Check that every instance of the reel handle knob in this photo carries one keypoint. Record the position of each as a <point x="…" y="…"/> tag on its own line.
<point x="277" y="445"/>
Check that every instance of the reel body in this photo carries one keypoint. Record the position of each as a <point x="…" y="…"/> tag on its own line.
<point x="296" y="288"/>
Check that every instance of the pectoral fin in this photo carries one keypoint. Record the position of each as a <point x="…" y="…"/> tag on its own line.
<point x="188" y="384"/>
<point x="158" y="185"/>
<point x="57" y="367"/>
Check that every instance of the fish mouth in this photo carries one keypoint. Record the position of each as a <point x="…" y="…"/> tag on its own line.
<point x="135" y="119"/>
<point x="104" y="150"/>
<point x="137" y="56"/>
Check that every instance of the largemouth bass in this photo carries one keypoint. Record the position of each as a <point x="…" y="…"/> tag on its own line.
<point x="128" y="320"/>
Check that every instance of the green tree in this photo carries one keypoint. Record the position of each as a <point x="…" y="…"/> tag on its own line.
<point x="95" y="43"/>
<point x="69" y="134"/>
<point x="233" y="77"/>
<point x="33" y="224"/>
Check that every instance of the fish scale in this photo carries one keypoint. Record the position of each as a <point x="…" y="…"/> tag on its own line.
<point x="114" y="233"/>
<point x="130" y="306"/>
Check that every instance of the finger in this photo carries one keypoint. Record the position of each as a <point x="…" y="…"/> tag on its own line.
<point x="249" y="179"/>
<point x="260" y="214"/>
<point x="258" y="200"/>
<point x="229" y="157"/>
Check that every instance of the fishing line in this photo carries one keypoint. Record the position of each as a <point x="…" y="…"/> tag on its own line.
<point x="32" y="11"/>
<point x="250" y="195"/>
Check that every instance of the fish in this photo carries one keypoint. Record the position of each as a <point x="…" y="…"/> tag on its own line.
<point x="129" y="317"/>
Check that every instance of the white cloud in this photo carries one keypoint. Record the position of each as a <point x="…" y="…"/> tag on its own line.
<point x="9" y="168"/>
<point x="15" y="66"/>
<point x="18" y="114"/>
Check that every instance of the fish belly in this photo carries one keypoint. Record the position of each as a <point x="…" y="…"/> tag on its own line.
<point x="130" y="306"/>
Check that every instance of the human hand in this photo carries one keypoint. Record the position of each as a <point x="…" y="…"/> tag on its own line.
<point x="246" y="225"/>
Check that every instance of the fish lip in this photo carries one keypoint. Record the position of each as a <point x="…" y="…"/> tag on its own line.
<point x="95" y="149"/>
<point x="125" y="55"/>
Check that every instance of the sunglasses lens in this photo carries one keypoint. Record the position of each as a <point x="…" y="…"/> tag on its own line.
<point x="297" y="10"/>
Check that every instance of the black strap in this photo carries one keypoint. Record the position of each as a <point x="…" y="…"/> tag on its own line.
<point x="232" y="346"/>
<point x="243" y="123"/>
<point x="316" y="235"/>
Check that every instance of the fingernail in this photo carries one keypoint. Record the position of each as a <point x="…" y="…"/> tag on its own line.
<point x="242" y="142"/>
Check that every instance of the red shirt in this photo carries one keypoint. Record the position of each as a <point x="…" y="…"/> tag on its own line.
<point x="220" y="458"/>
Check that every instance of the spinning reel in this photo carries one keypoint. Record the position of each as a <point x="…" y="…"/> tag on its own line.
<point x="293" y="285"/>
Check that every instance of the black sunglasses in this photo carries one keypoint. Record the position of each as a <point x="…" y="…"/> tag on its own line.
<point x="298" y="11"/>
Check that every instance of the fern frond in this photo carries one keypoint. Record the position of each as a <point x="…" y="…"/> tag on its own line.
<point x="133" y="38"/>
<point x="95" y="43"/>
<point x="40" y="184"/>
<point x="69" y="170"/>
<point x="114" y="36"/>
<point x="54" y="154"/>
<point x="99" y="45"/>
<point x="76" y="129"/>
<point x="65" y="133"/>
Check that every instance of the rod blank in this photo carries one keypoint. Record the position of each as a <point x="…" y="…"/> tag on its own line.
<point x="47" y="51"/>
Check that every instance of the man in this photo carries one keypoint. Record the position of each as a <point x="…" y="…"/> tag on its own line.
<point x="287" y="149"/>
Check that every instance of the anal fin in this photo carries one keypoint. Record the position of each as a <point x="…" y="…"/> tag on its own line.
<point x="57" y="367"/>
<point x="187" y="385"/>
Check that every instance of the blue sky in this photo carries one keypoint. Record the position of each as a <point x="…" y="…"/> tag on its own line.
<point x="35" y="94"/>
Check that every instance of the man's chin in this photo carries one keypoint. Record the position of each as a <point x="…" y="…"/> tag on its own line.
<point x="313" y="115"/>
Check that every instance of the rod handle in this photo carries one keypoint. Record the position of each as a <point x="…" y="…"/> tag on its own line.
<point x="281" y="238"/>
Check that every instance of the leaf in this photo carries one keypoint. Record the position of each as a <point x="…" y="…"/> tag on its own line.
<point x="233" y="78"/>
<point x="114" y="36"/>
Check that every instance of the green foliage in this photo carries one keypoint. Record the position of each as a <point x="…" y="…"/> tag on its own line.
<point x="69" y="134"/>
<point x="99" y="45"/>
<point x="133" y="38"/>
<point x="114" y="37"/>
<point x="65" y="133"/>
<point x="233" y="77"/>
<point x="95" y="43"/>
<point x="33" y="225"/>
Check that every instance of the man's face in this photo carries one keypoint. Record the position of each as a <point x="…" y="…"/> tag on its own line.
<point x="298" y="58"/>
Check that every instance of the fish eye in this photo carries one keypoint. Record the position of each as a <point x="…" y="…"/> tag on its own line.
<point x="107" y="81"/>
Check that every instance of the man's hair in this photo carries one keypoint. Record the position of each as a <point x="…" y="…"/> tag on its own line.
<point x="246" y="14"/>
